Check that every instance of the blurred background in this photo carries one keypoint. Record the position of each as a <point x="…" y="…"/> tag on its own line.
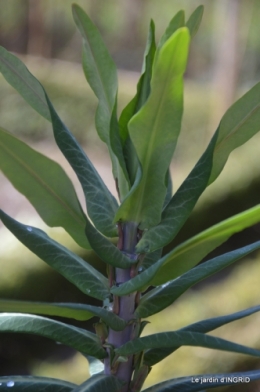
<point x="224" y="63"/>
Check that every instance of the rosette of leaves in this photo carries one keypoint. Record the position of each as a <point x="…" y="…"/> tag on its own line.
<point x="141" y="143"/>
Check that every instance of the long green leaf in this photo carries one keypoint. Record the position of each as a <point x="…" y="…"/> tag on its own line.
<point x="154" y="356"/>
<point x="80" y="339"/>
<point x="182" y="203"/>
<point x="100" y="383"/>
<point x="101" y="74"/>
<point x="18" y="76"/>
<point x="45" y="184"/>
<point x="183" y="338"/>
<point x="101" y="205"/>
<point x="142" y="94"/>
<point x="70" y="310"/>
<point x="105" y="249"/>
<point x="176" y="22"/>
<point x="196" y="382"/>
<point x="163" y="296"/>
<point x="34" y="384"/>
<point x="67" y="263"/>
<point x="194" y="20"/>
<point x="154" y="131"/>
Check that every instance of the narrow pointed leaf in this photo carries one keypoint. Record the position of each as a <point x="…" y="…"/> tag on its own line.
<point x="163" y="296"/>
<point x="101" y="205"/>
<point x="100" y="383"/>
<point x="196" y="382"/>
<point x="238" y="125"/>
<point x="154" y="356"/>
<point x="101" y="74"/>
<point x="180" y="338"/>
<point x="160" y="126"/>
<point x="34" y="384"/>
<point x="176" y="22"/>
<point x="45" y="184"/>
<point x="194" y="20"/>
<point x="105" y="249"/>
<point x="70" y="310"/>
<point x="143" y="92"/>
<point x="67" y="263"/>
<point x="180" y="206"/>
<point x="78" y="338"/>
<point x="18" y="76"/>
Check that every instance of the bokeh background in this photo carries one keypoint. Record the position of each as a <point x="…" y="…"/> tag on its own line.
<point x="224" y="62"/>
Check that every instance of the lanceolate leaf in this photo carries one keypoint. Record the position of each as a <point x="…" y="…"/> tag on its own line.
<point x="101" y="74"/>
<point x="194" y="20"/>
<point x="105" y="249"/>
<point x="70" y="310"/>
<point x="45" y="184"/>
<point x="176" y="22"/>
<point x="143" y="91"/>
<point x="154" y="356"/>
<point x="100" y="383"/>
<point x="161" y="297"/>
<point x="67" y="263"/>
<point x="154" y="131"/>
<point x="196" y="382"/>
<point x="18" y="76"/>
<point x="191" y="252"/>
<point x="101" y="205"/>
<point x="180" y="338"/>
<point x="34" y="384"/>
<point x="180" y="206"/>
<point x="80" y="339"/>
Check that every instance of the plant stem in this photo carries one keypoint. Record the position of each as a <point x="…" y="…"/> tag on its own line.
<point x="128" y="238"/>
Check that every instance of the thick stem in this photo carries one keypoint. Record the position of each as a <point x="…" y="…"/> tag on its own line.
<point x="126" y="306"/>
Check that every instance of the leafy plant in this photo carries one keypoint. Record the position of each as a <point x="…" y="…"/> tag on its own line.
<point x="141" y="144"/>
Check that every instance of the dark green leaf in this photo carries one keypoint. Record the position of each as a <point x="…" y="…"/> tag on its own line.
<point x="194" y="20"/>
<point x="105" y="249"/>
<point x="67" y="263"/>
<point x="163" y="296"/>
<point x="176" y="22"/>
<point x="154" y="356"/>
<point x="71" y="310"/>
<point x="150" y="259"/>
<point x="183" y="338"/>
<point x="100" y="383"/>
<point x="101" y="205"/>
<point x="45" y="184"/>
<point x="18" y="76"/>
<point x="80" y="339"/>
<point x="182" y="203"/>
<point x="209" y="381"/>
<point x="154" y="131"/>
<point x="34" y="384"/>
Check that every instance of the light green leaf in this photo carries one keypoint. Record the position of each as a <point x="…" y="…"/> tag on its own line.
<point x="45" y="184"/>
<point x="101" y="205"/>
<point x="18" y="76"/>
<point x="80" y="339"/>
<point x="34" y="384"/>
<point x="176" y="22"/>
<point x="209" y="381"/>
<point x="101" y="74"/>
<point x="194" y="20"/>
<point x="143" y="92"/>
<point x="180" y="206"/>
<point x="183" y="338"/>
<point x="163" y="296"/>
<point x="67" y="263"/>
<point x="70" y="310"/>
<point x="191" y="252"/>
<point x="154" y="356"/>
<point x="100" y="383"/>
<point x="105" y="249"/>
<point x="154" y="131"/>
<point x="239" y="124"/>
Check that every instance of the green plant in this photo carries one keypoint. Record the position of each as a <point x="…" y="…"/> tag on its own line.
<point x="141" y="144"/>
